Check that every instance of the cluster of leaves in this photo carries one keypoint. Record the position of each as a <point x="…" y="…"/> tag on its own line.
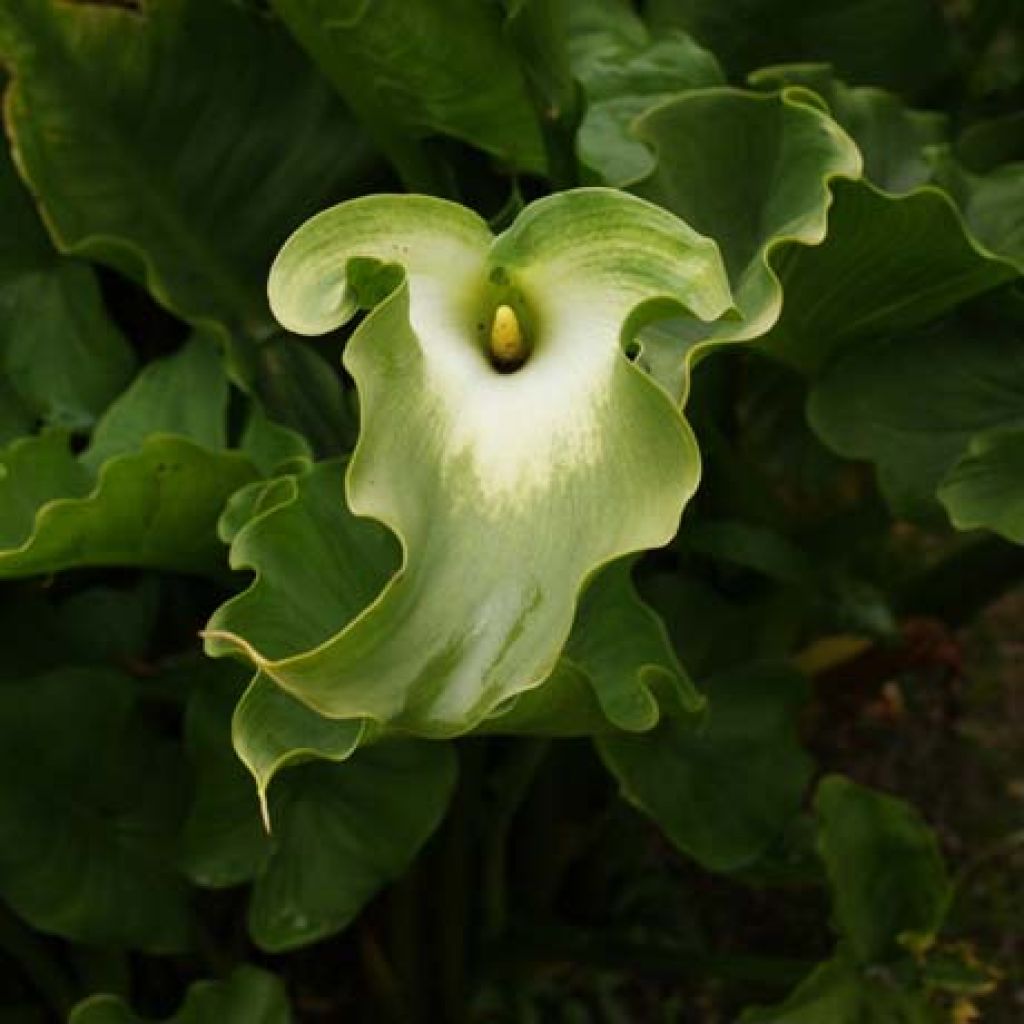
<point x="417" y="588"/>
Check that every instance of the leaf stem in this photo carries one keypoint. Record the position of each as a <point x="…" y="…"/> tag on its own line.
<point x="406" y="934"/>
<point x="381" y="979"/>
<point x="514" y="782"/>
<point x="456" y="884"/>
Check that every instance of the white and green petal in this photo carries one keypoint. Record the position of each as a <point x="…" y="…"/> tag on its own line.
<point x="507" y="440"/>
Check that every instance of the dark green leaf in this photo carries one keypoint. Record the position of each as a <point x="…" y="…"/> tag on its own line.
<point x="180" y="145"/>
<point x="911" y="404"/>
<point x="299" y="389"/>
<point x="415" y="68"/>
<point x="61" y="357"/>
<point x="185" y="394"/>
<point x="339" y="831"/>
<point x="840" y="992"/>
<point x="247" y="996"/>
<point x="857" y="285"/>
<point x="724" y="789"/>
<point x="756" y="208"/>
<point x="986" y="487"/>
<point x="877" y="42"/>
<point x="90" y="804"/>
<point x="889" y="885"/>
<point x="624" y="71"/>
<point x="156" y="507"/>
<point x="891" y="137"/>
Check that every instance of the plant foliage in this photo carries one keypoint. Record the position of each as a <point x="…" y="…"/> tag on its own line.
<point x="464" y="464"/>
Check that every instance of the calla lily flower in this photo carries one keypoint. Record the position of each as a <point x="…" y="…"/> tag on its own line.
<point x="507" y="439"/>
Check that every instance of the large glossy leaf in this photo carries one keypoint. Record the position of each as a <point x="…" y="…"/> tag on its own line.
<point x="890" y="889"/>
<point x="339" y="832"/>
<point x="149" y="488"/>
<point x="912" y="403"/>
<point x="90" y="804"/>
<point x="417" y="68"/>
<point x="479" y="472"/>
<point x="179" y="144"/>
<point x="857" y="286"/>
<point x="840" y="289"/>
<point x="723" y="789"/>
<point x="955" y="242"/>
<point x="759" y="212"/>
<point x="624" y="70"/>
<point x="156" y="507"/>
<point x="61" y="357"/>
<point x="248" y="996"/>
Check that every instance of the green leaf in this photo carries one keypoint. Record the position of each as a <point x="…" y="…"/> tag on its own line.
<point x="891" y="137"/>
<point x="185" y="394"/>
<point x="90" y="804"/>
<point x="911" y="404"/>
<point x="149" y="488"/>
<point x="248" y="996"/>
<point x="760" y="212"/>
<point x="985" y="488"/>
<point x="722" y="790"/>
<point x="749" y="546"/>
<point x="411" y="69"/>
<point x="342" y="832"/>
<point x="478" y="472"/>
<point x="954" y="244"/>
<point x="42" y="633"/>
<point x="840" y="289"/>
<point x="889" y="885"/>
<point x="624" y="71"/>
<point x="301" y="391"/>
<point x="840" y="992"/>
<point x="224" y="842"/>
<point x="857" y="286"/>
<point x="61" y="357"/>
<point x="155" y="508"/>
<point x="339" y="832"/>
<point x="539" y="31"/>
<point x="179" y="145"/>
<point x="272" y="447"/>
<point x="992" y="203"/>
<point x="877" y="42"/>
<point x="16" y="419"/>
<point x="86" y="617"/>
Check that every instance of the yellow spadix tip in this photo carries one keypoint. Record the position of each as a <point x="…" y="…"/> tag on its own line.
<point x="508" y="346"/>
